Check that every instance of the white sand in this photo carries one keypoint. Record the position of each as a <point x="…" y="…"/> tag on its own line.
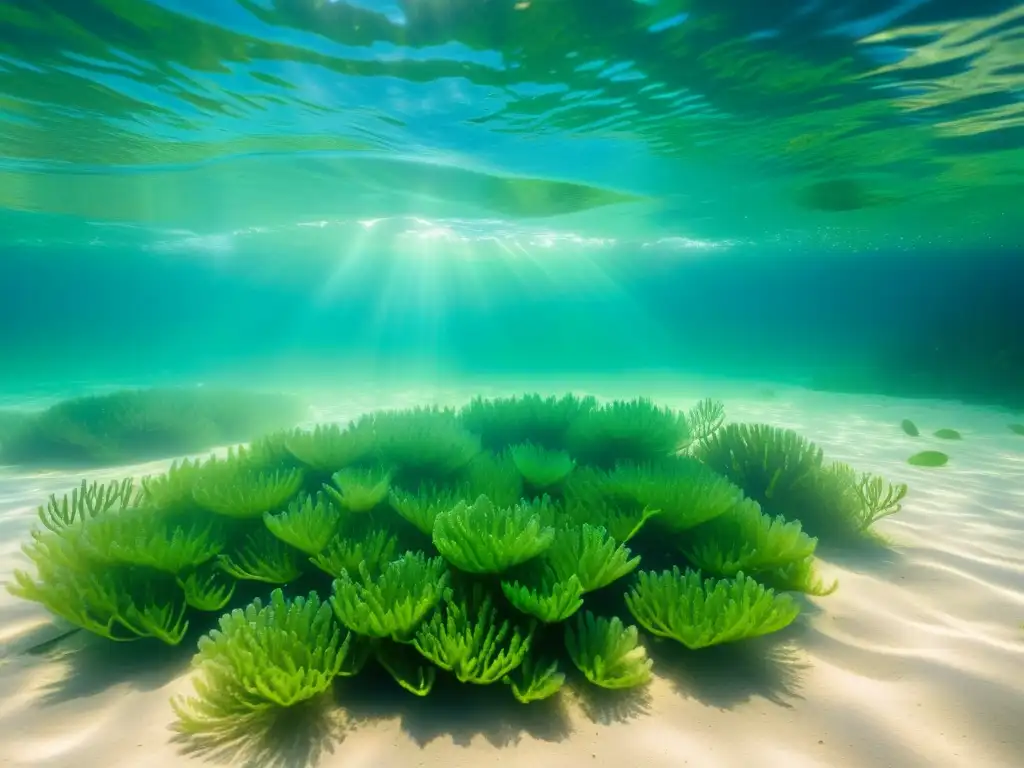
<point x="917" y="660"/>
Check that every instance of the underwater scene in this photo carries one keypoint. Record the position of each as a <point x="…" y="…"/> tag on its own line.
<point x="515" y="383"/>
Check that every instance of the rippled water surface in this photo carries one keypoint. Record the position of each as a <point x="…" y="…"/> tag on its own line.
<point x="216" y="124"/>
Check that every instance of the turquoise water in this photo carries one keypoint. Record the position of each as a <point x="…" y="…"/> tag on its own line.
<point x="795" y="226"/>
<point x="822" y="192"/>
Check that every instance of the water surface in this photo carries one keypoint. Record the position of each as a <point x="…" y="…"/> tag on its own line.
<point x="218" y="126"/>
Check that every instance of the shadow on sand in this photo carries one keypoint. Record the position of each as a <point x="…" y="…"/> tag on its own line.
<point x="454" y="710"/>
<point x="604" y="706"/>
<point x="277" y="738"/>
<point x="300" y="736"/>
<point x="724" y="676"/>
<point x="869" y="557"/>
<point x="95" y="664"/>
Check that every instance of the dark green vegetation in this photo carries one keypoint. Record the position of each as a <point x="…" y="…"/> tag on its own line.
<point x="134" y="425"/>
<point x="10" y="423"/>
<point x="948" y="434"/>
<point x="929" y="459"/>
<point x="1017" y="429"/>
<point x="910" y="427"/>
<point x="501" y="543"/>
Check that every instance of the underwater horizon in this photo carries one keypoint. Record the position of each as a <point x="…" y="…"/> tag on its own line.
<point x="824" y="194"/>
<point x="511" y="382"/>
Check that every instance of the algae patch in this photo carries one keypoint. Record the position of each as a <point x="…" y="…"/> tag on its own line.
<point x="458" y="541"/>
<point x="929" y="459"/>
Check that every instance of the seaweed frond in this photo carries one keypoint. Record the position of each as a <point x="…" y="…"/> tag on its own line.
<point x="165" y="622"/>
<point x="761" y="459"/>
<point x="306" y="525"/>
<point x="263" y="557"/>
<point x="552" y="600"/>
<point x="505" y="421"/>
<point x="700" y="613"/>
<point x="173" y="489"/>
<point x="535" y="681"/>
<point x="495" y="477"/>
<point x="705" y="418"/>
<point x="138" y="537"/>
<point x="360" y="490"/>
<point x="745" y="539"/>
<point x="106" y="602"/>
<point x="243" y="494"/>
<point x="635" y="430"/>
<point x="607" y="652"/>
<point x="469" y="641"/>
<point x="87" y="501"/>
<point x="590" y="554"/>
<point x="372" y="550"/>
<point x="393" y="603"/>
<point x="481" y="538"/>
<point x="878" y="499"/>
<point x="591" y="497"/>
<point x="540" y="467"/>
<point x="329" y="448"/>
<point x="261" y="657"/>
<point x="684" y="491"/>
<point x="801" y="576"/>
<point x="204" y="591"/>
<point x="406" y="667"/>
<point x="428" y="442"/>
<point x="422" y="508"/>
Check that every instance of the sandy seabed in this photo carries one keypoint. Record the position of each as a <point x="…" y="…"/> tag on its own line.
<point x="917" y="660"/>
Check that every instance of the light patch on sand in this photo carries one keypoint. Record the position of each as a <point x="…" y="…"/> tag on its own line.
<point x="915" y="662"/>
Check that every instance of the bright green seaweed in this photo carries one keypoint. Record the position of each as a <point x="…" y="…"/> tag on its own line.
<point x="607" y="652"/>
<point x="264" y="656"/>
<point x="699" y="613"/>
<point x="436" y="539"/>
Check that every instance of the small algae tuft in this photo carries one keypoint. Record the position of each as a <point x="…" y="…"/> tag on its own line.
<point x="948" y="434"/>
<point x="910" y="427"/>
<point x="928" y="459"/>
<point x="1017" y="429"/>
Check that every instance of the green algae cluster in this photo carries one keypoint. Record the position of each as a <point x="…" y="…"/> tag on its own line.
<point x="135" y="425"/>
<point x="502" y="543"/>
